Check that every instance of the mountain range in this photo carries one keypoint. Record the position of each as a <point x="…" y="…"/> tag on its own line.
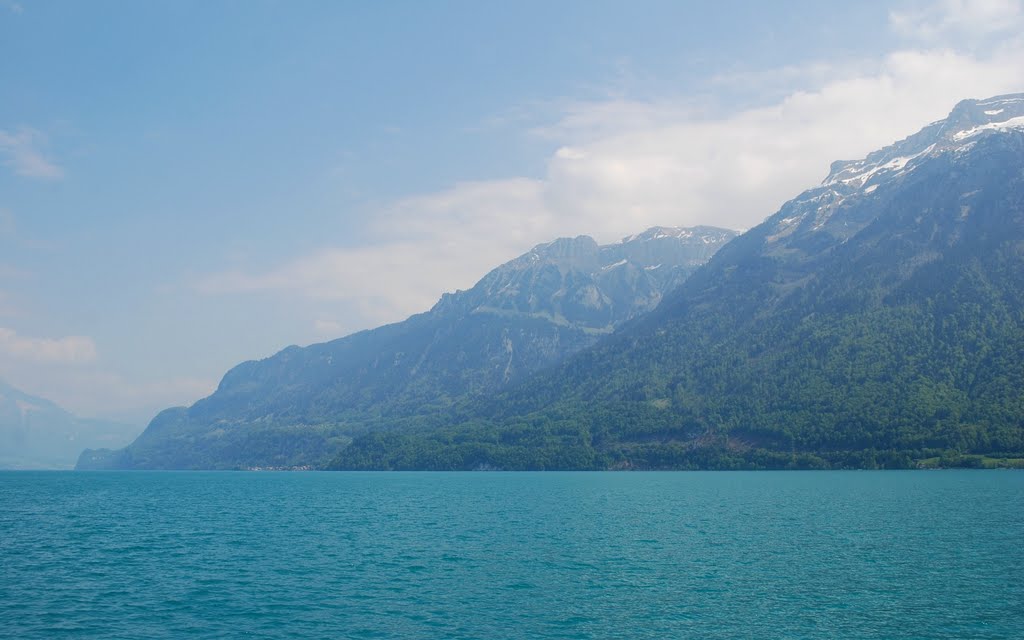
<point x="35" y="433"/>
<point x="876" y="320"/>
<point x="301" y="406"/>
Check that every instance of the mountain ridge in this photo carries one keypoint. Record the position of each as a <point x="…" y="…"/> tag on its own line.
<point x="874" y="320"/>
<point x="306" y="402"/>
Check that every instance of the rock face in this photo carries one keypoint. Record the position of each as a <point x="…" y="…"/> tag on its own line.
<point x="575" y="282"/>
<point x="301" y="406"/>
<point x="875" y="320"/>
<point x="37" y="434"/>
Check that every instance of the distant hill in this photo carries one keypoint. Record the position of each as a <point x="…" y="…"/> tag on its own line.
<point x="303" y="405"/>
<point x="37" y="434"/>
<point x="876" y="320"/>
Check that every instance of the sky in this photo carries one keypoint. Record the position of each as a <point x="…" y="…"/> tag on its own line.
<point x="188" y="185"/>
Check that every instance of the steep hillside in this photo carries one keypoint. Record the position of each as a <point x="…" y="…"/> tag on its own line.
<point x="876" y="320"/>
<point x="301" y="406"/>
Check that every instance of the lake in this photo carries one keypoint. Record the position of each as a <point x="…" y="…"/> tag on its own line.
<point x="512" y="555"/>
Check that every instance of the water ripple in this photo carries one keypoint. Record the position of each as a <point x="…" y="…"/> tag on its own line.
<point x="603" y="555"/>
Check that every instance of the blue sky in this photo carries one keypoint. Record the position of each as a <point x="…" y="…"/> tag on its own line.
<point x="186" y="185"/>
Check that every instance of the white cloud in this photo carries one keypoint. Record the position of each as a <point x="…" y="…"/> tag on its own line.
<point x="735" y="170"/>
<point x="958" y="19"/>
<point x="623" y="165"/>
<point x="23" y="151"/>
<point x="67" y="350"/>
<point x="591" y="120"/>
<point x="424" y="246"/>
<point x="12" y="6"/>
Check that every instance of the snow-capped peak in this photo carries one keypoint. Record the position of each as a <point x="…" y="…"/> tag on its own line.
<point x="699" y="234"/>
<point x="967" y="120"/>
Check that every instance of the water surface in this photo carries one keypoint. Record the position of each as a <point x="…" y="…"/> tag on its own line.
<point x="512" y="555"/>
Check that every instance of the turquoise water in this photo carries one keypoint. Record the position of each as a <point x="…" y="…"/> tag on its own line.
<point x="504" y="555"/>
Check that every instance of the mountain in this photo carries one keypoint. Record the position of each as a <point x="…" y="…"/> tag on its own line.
<point x="301" y="406"/>
<point x="37" y="434"/>
<point x="876" y="320"/>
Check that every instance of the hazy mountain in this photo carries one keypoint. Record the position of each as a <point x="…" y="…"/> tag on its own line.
<point x="37" y="434"/>
<point x="875" y="320"/>
<point x="302" y="405"/>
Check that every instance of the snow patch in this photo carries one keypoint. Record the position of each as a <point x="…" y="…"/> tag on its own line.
<point x="813" y="198"/>
<point x="994" y="112"/>
<point x="895" y="165"/>
<point x="870" y="189"/>
<point x="677" y="233"/>
<point x="1012" y="123"/>
<point x="612" y="266"/>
